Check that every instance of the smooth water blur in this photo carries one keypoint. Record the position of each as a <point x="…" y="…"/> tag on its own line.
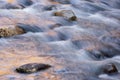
<point x="77" y="50"/>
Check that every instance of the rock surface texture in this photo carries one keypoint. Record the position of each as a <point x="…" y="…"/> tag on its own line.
<point x="60" y="39"/>
<point x="32" y="67"/>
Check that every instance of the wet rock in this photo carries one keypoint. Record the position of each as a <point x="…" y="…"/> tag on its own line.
<point x="55" y="26"/>
<point x="68" y="14"/>
<point x="38" y="7"/>
<point x="11" y="6"/>
<point x="97" y="55"/>
<point x="29" y="28"/>
<point x="62" y="1"/>
<point x="25" y="3"/>
<point x="50" y="7"/>
<point x="32" y="67"/>
<point x="89" y="0"/>
<point x="110" y="68"/>
<point x="7" y="31"/>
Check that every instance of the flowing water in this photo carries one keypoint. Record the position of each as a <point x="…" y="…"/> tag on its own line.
<point x="76" y="50"/>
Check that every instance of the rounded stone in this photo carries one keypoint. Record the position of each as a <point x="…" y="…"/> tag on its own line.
<point x="32" y="67"/>
<point x="110" y="68"/>
<point x="8" y="31"/>
<point x="68" y="14"/>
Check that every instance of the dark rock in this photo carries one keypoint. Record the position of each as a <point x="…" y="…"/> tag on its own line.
<point x="68" y="14"/>
<point x="62" y="1"/>
<point x="25" y="3"/>
<point x="55" y="26"/>
<point x="97" y="55"/>
<point x="32" y="67"/>
<point x="50" y="7"/>
<point x="110" y="68"/>
<point x="11" y="6"/>
<point x="29" y="28"/>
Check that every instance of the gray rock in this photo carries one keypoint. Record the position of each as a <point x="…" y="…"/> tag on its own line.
<point x="32" y="67"/>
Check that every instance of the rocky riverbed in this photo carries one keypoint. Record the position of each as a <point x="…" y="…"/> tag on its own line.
<point x="60" y="39"/>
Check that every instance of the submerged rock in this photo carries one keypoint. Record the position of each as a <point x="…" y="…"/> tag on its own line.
<point x="29" y="28"/>
<point x="25" y="3"/>
<point x="110" y="68"/>
<point x="68" y="14"/>
<point x="32" y="67"/>
<point x="11" y="6"/>
<point x="62" y="1"/>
